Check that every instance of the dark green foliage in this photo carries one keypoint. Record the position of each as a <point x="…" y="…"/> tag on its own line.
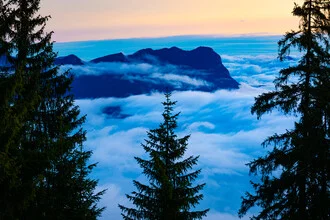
<point x="65" y="191"/>
<point x="170" y="193"/>
<point x="43" y="168"/>
<point x="301" y="155"/>
<point x="18" y="97"/>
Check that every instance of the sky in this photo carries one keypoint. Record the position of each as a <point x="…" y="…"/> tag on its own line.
<point x="78" y="20"/>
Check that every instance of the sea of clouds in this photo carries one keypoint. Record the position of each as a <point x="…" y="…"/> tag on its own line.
<point x="223" y="133"/>
<point x="144" y="72"/>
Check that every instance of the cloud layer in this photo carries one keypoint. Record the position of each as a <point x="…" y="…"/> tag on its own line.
<point x="223" y="131"/>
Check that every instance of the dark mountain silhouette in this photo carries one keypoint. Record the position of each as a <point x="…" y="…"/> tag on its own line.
<point x="66" y="60"/>
<point x="69" y="60"/>
<point x="118" y="57"/>
<point x="199" y="58"/>
<point x="202" y="63"/>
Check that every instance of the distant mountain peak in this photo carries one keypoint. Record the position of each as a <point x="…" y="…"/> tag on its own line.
<point x="69" y="60"/>
<point x="198" y="58"/>
<point x="117" y="57"/>
<point x="204" y="49"/>
<point x="197" y="69"/>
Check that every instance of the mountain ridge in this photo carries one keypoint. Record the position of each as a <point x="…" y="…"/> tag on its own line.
<point x="206" y="57"/>
<point x="117" y="75"/>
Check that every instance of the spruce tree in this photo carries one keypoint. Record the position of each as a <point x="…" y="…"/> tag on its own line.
<point x="65" y="190"/>
<point x="301" y="155"/>
<point x="51" y="171"/>
<point x="170" y="193"/>
<point x="18" y="86"/>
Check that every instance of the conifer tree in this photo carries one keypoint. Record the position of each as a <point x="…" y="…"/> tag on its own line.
<point x="18" y="86"/>
<point x="65" y="191"/>
<point x="46" y="148"/>
<point x="170" y="193"/>
<point x="301" y="190"/>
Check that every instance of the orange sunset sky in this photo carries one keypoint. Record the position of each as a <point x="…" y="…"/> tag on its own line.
<point x="76" y="20"/>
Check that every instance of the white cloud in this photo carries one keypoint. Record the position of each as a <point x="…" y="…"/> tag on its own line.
<point x="110" y="68"/>
<point x="111" y="198"/>
<point x="178" y="80"/>
<point x="257" y="70"/>
<point x="196" y="125"/>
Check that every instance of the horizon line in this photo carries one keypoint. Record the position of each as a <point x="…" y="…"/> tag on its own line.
<point x="179" y="36"/>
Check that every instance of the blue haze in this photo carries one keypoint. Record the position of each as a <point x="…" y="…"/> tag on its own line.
<point x="245" y="45"/>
